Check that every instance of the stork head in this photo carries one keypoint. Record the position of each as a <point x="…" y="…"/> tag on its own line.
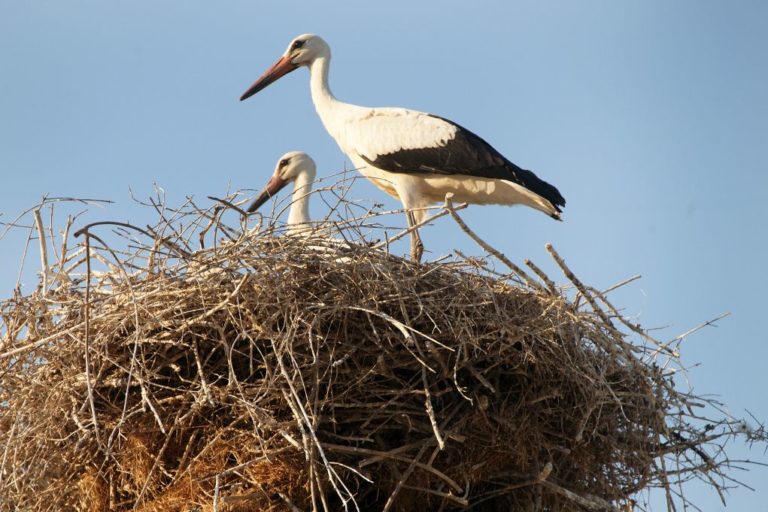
<point x="291" y="167"/>
<point x="302" y="51"/>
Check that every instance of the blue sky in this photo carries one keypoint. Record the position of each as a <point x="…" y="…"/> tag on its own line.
<point x="650" y="117"/>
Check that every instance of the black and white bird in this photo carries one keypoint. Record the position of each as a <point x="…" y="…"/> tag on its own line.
<point x="299" y="168"/>
<point x="414" y="156"/>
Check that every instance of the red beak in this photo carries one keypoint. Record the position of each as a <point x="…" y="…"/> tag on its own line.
<point x="274" y="185"/>
<point x="282" y="67"/>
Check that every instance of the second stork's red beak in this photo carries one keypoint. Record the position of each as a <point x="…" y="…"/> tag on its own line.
<point x="274" y="185"/>
<point x="282" y="67"/>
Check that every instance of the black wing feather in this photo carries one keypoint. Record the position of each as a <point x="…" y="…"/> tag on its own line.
<point x="466" y="154"/>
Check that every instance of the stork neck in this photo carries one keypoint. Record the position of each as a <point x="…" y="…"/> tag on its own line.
<point x="299" y="213"/>
<point x="324" y="100"/>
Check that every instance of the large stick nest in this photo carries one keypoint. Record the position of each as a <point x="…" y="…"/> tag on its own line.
<point x="302" y="373"/>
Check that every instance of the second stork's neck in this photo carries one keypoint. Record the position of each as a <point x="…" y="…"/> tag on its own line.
<point x="298" y="217"/>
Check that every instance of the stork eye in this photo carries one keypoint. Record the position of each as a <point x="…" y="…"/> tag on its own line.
<point x="283" y="162"/>
<point x="297" y="44"/>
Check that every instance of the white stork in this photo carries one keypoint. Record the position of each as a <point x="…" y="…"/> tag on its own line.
<point x="299" y="168"/>
<point x="413" y="156"/>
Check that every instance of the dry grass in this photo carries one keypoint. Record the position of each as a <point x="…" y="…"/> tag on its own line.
<point x="290" y="373"/>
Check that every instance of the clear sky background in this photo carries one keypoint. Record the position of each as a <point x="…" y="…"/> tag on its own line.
<point x="650" y="117"/>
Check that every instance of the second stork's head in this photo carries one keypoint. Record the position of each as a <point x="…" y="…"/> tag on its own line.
<point x="294" y="166"/>
<point x="302" y="51"/>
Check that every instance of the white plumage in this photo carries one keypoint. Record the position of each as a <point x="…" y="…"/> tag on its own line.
<point x="374" y="132"/>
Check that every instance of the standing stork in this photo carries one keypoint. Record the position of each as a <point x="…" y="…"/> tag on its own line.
<point x="413" y="156"/>
<point x="299" y="168"/>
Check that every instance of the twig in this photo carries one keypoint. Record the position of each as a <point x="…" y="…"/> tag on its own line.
<point x="404" y="478"/>
<point x="586" y="501"/>
<point x="431" y="410"/>
<point x="411" y="229"/>
<point x="621" y="283"/>
<point x="708" y="323"/>
<point x="87" y="338"/>
<point x="229" y="205"/>
<point x="43" y="250"/>
<point x="582" y="289"/>
<point x="517" y="270"/>
<point x="390" y="455"/>
<point x="169" y="244"/>
<point x="216" y="494"/>
<point x="536" y="270"/>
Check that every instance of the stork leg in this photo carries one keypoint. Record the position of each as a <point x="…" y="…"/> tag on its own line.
<point x="417" y="247"/>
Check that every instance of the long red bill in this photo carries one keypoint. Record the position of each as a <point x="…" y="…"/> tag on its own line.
<point x="274" y="185"/>
<point x="282" y="67"/>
